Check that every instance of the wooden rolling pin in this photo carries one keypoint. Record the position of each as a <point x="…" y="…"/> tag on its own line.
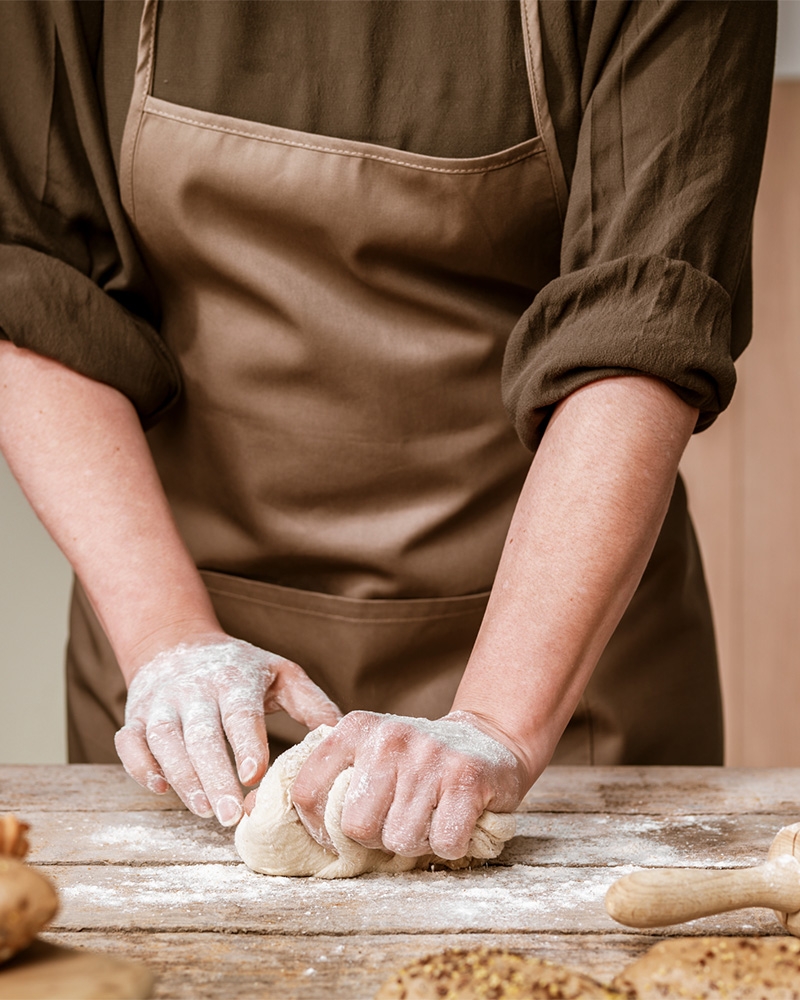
<point x="656" y="897"/>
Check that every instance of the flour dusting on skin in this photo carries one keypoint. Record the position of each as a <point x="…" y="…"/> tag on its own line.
<point x="194" y="695"/>
<point x="460" y="734"/>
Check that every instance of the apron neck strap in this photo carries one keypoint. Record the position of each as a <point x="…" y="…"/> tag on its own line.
<point x="532" y="35"/>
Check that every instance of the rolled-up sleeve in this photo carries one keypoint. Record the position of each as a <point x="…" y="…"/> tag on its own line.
<point x="674" y="106"/>
<point x="72" y="284"/>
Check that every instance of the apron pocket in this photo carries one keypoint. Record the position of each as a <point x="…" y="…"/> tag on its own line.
<point x="399" y="656"/>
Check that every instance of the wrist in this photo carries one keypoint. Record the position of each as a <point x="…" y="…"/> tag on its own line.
<point x="167" y="635"/>
<point x="530" y="760"/>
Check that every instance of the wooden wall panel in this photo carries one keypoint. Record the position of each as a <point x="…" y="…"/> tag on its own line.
<point x="743" y="477"/>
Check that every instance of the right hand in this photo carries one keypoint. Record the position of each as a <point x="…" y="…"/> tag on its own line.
<point x="185" y="702"/>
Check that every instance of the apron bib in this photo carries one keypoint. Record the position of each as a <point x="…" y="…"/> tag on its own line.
<point x="340" y="464"/>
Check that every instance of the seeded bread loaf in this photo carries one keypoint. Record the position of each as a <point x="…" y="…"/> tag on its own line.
<point x="489" y="974"/>
<point x="703" y="968"/>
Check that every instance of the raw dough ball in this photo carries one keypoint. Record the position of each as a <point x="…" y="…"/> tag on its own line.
<point x="489" y="974"/>
<point x="272" y="840"/>
<point x="701" y="968"/>
<point x="27" y="902"/>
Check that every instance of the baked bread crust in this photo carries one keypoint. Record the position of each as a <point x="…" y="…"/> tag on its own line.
<point x="489" y="974"/>
<point x="742" y="968"/>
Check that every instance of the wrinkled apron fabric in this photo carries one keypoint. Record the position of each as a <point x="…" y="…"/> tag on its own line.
<point x="340" y="463"/>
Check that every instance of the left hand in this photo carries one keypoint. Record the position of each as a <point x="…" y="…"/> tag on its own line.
<point x="418" y="786"/>
<point x="191" y="700"/>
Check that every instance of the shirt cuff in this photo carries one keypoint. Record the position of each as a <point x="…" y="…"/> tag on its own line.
<point x="51" y="308"/>
<point x="635" y="315"/>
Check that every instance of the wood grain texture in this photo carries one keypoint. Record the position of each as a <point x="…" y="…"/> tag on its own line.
<point x="672" y="791"/>
<point x="543" y="839"/>
<point x="75" y="787"/>
<point x="141" y="878"/>
<point x="246" y="966"/>
<point x="521" y="899"/>
<point x="743" y="477"/>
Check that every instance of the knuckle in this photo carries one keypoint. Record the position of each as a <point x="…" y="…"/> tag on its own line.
<point x="162" y="731"/>
<point x="128" y="738"/>
<point x="408" y="843"/>
<point x="360" y="828"/>
<point x="275" y="666"/>
<point x="391" y="740"/>
<point x="358" y="721"/>
<point x="466" y="775"/>
<point x="451" y="831"/>
<point x="242" y="718"/>
<point x="202" y="733"/>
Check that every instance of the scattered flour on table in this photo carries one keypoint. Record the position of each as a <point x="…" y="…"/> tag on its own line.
<point x="166" y="842"/>
<point x="500" y="898"/>
<point x="174" y="887"/>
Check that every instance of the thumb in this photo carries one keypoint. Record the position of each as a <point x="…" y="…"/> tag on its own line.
<point x="306" y="702"/>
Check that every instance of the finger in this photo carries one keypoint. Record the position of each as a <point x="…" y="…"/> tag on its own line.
<point x="316" y="777"/>
<point x="367" y="804"/>
<point x="295" y="692"/>
<point x="406" y="829"/>
<point x="250" y="802"/>
<point x="453" y="822"/>
<point x="207" y="750"/>
<point x="137" y="760"/>
<point x="247" y="735"/>
<point x="165" y="739"/>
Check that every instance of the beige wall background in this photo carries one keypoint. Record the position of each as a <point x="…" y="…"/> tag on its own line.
<point x="34" y="588"/>
<point x="743" y="478"/>
<point x="744" y="485"/>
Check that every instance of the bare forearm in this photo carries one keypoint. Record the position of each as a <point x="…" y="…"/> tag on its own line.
<point x="584" y="528"/>
<point x="80" y="455"/>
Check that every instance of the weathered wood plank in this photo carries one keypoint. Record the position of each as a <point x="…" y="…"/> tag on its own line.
<point x="649" y="790"/>
<point x="244" y="966"/>
<point x="671" y="791"/>
<point x="704" y="841"/>
<point x="148" y="837"/>
<point x="232" y="898"/>
<point x="172" y="837"/>
<point x="141" y="877"/>
<point x="81" y="787"/>
<point x="668" y="791"/>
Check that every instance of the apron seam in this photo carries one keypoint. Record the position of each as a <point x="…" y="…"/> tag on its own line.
<point x="143" y="81"/>
<point x="347" y="618"/>
<point x="343" y="152"/>
<point x="543" y="121"/>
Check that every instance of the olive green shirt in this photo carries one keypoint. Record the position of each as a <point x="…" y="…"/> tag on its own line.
<point x="660" y="112"/>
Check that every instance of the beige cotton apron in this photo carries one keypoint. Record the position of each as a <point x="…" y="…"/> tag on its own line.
<point x="340" y="463"/>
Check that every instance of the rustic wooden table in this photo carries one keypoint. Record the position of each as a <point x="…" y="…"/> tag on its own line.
<point x="140" y="877"/>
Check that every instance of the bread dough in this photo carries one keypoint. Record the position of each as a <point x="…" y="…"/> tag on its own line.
<point x="489" y="974"/>
<point x="735" y="968"/>
<point x="272" y="840"/>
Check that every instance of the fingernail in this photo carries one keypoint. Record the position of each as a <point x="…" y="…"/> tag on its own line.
<point x="156" y="783"/>
<point x="248" y="770"/>
<point x="200" y="805"/>
<point x="229" y="811"/>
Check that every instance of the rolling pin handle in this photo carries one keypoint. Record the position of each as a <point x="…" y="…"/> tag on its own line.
<point x="661" y="896"/>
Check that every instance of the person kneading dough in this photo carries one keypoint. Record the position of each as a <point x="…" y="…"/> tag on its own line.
<point x="272" y="840"/>
<point x="349" y="351"/>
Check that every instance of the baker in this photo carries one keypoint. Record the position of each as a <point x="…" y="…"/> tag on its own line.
<point x="351" y="267"/>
